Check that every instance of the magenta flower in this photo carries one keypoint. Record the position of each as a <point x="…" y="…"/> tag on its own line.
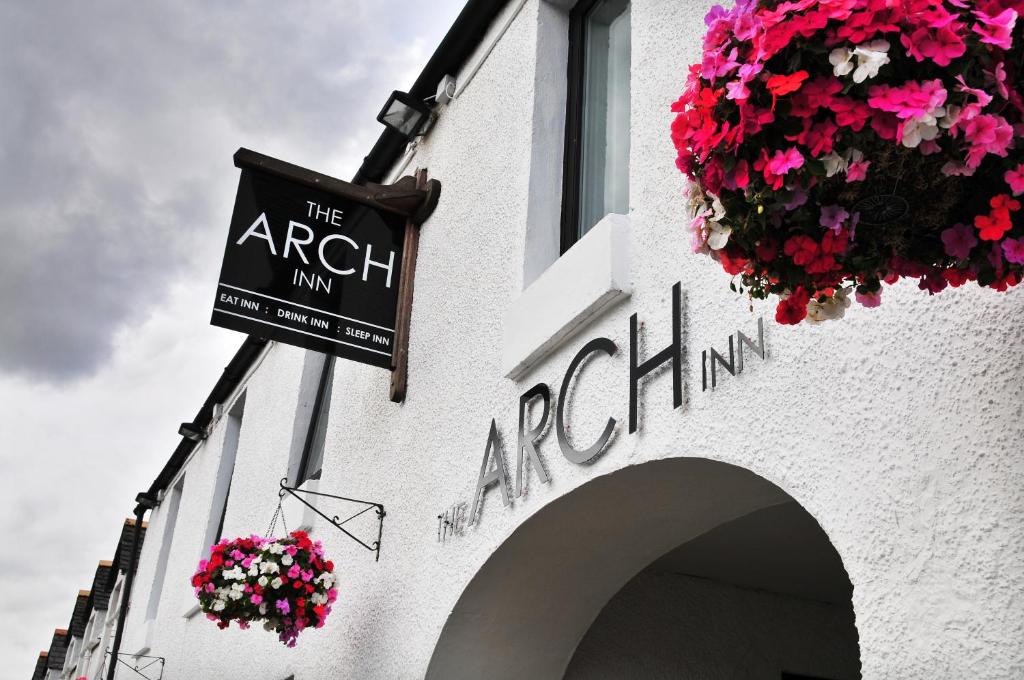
<point x="869" y="299"/>
<point x="858" y="171"/>
<point x="958" y="241"/>
<point x="998" y="78"/>
<point x="995" y="258"/>
<point x="283" y="607"/>
<point x="996" y="30"/>
<point x="294" y="571"/>
<point x="784" y="161"/>
<point x="987" y="134"/>
<point x="834" y="217"/>
<point x="942" y="45"/>
<point x="910" y="100"/>
<point x="1015" y="178"/>
<point x="256" y="598"/>
<point x="1013" y="250"/>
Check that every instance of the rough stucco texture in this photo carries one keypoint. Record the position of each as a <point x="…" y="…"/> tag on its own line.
<point x="899" y="429"/>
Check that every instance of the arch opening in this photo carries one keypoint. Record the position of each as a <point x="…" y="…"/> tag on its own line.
<point x="683" y="567"/>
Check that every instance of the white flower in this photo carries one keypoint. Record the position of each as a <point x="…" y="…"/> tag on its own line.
<point x="263" y="581"/>
<point x="870" y="57"/>
<point x="275" y="548"/>
<point x="919" y="128"/>
<point x="286" y="559"/>
<point x="263" y="608"/>
<point x="915" y="130"/>
<point x="834" y="163"/>
<point x="951" y="118"/>
<point x="270" y="568"/>
<point x="235" y="573"/>
<point x="841" y="59"/>
<point x="718" y="235"/>
<point x="276" y="583"/>
<point x="218" y="605"/>
<point x="832" y="309"/>
<point x="236" y="594"/>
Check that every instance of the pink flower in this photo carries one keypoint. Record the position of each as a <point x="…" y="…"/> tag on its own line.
<point x="858" y="171"/>
<point x="998" y="78"/>
<point x="256" y="598"/>
<point x="1015" y="178"/>
<point x="987" y="134"/>
<point x="834" y="217"/>
<point x="1013" y="250"/>
<point x="996" y="30"/>
<point x="958" y="241"/>
<point x="869" y="299"/>
<point x="941" y="45"/>
<point x="910" y="100"/>
<point x="784" y="161"/>
<point x="294" y="571"/>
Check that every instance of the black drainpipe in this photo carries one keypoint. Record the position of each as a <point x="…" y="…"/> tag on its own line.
<point x="145" y="502"/>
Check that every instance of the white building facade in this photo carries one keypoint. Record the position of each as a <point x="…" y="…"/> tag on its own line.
<point x="849" y="505"/>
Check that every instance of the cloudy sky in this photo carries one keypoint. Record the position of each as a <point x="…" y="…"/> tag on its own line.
<point x="117" y="127"/>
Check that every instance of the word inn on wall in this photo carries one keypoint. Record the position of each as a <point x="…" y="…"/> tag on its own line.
<point x="455" y="520"/>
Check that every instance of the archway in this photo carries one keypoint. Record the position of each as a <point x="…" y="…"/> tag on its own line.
<point x="534" y="609"/>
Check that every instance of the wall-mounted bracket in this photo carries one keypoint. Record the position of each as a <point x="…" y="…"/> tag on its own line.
<point x="148" y="667"/>
<point x="336" y="520"/>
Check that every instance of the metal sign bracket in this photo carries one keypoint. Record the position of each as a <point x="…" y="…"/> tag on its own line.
<point x="336" y="521"/>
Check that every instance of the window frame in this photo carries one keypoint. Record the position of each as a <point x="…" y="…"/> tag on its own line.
<point x="572" y="163"/>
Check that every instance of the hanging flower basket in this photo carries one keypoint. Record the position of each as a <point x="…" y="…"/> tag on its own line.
<point x="838" y="144"/>
<point x="284" y="582"/>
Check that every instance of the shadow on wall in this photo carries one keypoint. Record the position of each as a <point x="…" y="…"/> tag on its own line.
<point x="683" y="567"/>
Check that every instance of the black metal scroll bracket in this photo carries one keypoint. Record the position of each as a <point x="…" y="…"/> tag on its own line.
<point x="142" y="663"/>
<point x="336" y="520"/>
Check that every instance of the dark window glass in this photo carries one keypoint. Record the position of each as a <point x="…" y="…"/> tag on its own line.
<point x="596" y="167"/>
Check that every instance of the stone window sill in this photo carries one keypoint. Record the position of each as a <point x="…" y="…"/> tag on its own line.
<point x="583" y="283"/>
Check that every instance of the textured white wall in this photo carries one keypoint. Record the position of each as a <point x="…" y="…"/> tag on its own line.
<point x="898" y="429"/>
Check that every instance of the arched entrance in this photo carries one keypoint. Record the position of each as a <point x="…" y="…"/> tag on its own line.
<point x="673" y="568"/>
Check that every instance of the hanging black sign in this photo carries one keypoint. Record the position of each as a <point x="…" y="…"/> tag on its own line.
<point x="309" y="266"/>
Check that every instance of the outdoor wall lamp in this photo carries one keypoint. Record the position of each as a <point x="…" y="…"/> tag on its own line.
<point x="191" y="432"/>
<point x="406" y="115"/>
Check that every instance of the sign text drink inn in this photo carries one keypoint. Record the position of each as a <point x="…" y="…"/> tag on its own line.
<point x="493" y="471"/>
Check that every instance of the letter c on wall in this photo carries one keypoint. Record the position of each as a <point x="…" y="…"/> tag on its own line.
<point x="596" y="345"/>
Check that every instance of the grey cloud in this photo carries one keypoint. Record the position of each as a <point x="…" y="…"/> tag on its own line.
<point x="116" y="131"/>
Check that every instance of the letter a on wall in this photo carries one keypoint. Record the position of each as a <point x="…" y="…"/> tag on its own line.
<point x="307" y="265"/>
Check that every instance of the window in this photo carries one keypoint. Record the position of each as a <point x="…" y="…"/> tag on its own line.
<point x="311" y="416"/>
<point x="171" y="509"/>
<point x="596" y="166"/>
<point x="225" y="471"/>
